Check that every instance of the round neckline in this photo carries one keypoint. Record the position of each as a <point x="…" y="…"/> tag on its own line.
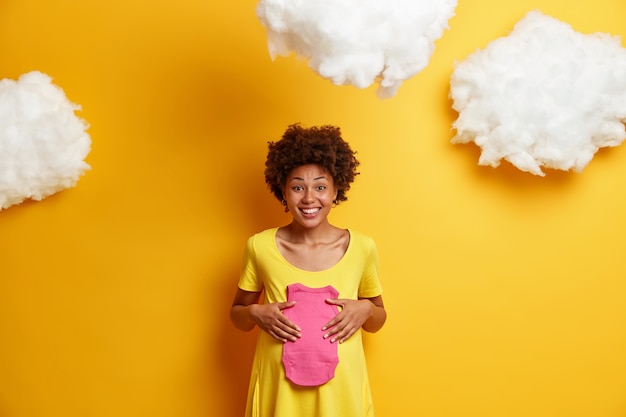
<point x="345" y="254"/>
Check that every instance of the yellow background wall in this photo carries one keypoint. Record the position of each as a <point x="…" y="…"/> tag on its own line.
<point x="505" y="291"/>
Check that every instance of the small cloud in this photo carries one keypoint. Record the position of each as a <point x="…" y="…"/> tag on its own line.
<point x="543" y="96"/>
<point x="358" y="42"/>
<point x="42" y="142"/>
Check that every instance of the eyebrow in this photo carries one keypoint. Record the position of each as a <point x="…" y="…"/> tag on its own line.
<point x="323" y="177"/>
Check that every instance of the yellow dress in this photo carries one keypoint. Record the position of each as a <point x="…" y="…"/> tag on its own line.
<point x="270" y="393"/>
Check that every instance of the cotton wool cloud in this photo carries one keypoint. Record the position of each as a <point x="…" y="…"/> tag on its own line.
<point x="545" y="96"/>
<point x="358" y="42"/>
<point x="43" y="143"/>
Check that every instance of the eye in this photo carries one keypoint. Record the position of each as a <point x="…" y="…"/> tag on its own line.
<point x="321" y="187"/>
<point x="297" y="188"/>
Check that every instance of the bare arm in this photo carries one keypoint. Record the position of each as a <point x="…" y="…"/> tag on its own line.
<point x="240" y="310"/>
<point x="378" y="317"/>
<point x="246" y="312"/>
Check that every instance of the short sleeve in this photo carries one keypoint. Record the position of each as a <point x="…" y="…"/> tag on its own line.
<point x="370" y="283"/>
<point x="249" y="279"/>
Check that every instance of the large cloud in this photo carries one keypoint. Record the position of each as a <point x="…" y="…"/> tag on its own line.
<point x="543" y="96"/>
<point x="358" y="42"/>
<point x="42" y="142"/>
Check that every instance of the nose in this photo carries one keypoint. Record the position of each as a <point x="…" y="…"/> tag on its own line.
<point x="308" y="196"/>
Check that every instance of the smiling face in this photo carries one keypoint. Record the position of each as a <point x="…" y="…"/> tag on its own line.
<point x="309" y="193"/>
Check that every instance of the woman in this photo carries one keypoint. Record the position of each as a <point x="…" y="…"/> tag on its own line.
<point x="309" y="358"/>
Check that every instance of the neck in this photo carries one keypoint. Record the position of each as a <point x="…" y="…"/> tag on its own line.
<point x="316" y="234"/>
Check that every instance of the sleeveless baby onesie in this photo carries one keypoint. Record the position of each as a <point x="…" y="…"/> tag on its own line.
<point x="311" y="360"/>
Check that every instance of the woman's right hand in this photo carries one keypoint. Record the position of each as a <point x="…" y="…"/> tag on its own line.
<point x="270" y="319"/>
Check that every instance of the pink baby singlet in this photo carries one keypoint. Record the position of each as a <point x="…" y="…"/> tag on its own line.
<point x="311" y="360"/>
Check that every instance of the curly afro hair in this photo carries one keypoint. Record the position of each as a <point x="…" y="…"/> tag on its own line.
<point x="321" y="145"/>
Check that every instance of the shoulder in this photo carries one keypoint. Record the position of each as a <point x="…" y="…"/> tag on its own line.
<point x="359" y="237"/>
<point x="267" y="234"/>
<point x="361" y="241"/>
<point x="263" y="239"/>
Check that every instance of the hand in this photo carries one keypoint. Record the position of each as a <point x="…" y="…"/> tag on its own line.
<point x="352" y="316"/>
<point x="270" y="319"/>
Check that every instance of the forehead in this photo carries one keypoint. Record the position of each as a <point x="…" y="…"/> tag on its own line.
<point x="309" y="172"/>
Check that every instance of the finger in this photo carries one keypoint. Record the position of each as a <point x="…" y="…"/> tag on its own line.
<point x="332" y="322"/>
<point x="285" y="305"/>
<point x="285" y="333"/>
<point x="278" y="337"/>
<point x="347" y="336"/>
<point x="343" y="335"/>
<point x="333" y="337"/>
<point x="334" y="332"/>
<point x="290" y="329"/>
<point x="288" y="324"/>
<point x="277" y="333"/>
<point x="338" y="317"/>
<point x="283" y="329"/>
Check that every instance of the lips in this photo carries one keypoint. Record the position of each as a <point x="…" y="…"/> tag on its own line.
<point x="310" y="211"/>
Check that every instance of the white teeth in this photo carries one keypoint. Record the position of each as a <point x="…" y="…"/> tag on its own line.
<point x="310" y="211"/>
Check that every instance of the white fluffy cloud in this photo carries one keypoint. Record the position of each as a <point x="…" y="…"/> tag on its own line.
<point x="358" y="42"/>
<point x="42" y="142"/>
<point x="543" y="96"/>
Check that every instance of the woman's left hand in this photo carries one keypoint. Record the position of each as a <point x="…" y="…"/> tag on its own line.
<point x="353" y="314"/>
